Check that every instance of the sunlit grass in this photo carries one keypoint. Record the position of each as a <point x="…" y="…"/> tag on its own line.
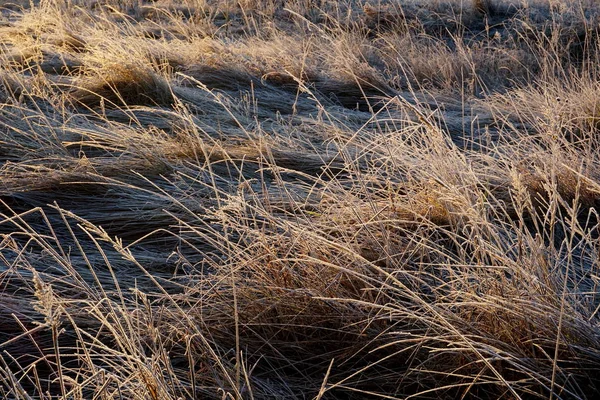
<point x="305" y="199"/>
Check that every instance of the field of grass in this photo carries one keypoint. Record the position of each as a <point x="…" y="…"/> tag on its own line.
<point x="303" y="199"/>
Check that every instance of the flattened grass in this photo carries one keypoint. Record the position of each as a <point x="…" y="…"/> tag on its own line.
<point x="308" y="200"/>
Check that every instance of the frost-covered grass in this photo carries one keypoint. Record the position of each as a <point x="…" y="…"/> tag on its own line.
<point x="304" y="199"/>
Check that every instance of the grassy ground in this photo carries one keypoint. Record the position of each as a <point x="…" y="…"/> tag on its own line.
<point x="303" y="199"/>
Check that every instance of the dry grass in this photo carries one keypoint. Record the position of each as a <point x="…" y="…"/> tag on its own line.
<point x="303" y="199"/>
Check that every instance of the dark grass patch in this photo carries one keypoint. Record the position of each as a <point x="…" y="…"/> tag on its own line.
<point x="118" y="85"/>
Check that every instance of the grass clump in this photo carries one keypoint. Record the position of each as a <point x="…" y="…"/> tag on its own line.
<point x="118" y="85"/>
<point x="315" y="199"/>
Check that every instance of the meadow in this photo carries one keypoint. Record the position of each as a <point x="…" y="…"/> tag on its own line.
<point x="303" y="199"/>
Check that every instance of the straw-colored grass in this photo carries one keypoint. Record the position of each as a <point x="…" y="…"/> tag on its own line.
<point x="299" y="200"/>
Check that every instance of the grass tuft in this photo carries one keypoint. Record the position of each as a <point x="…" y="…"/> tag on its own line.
<point x="117" y="85"/>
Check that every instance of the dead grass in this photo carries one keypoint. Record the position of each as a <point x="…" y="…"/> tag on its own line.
<point x="308" y="199"/>
<point x="117" y="85"/>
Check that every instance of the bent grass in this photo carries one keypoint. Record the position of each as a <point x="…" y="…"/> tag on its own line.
<point x="244" y="200"/>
